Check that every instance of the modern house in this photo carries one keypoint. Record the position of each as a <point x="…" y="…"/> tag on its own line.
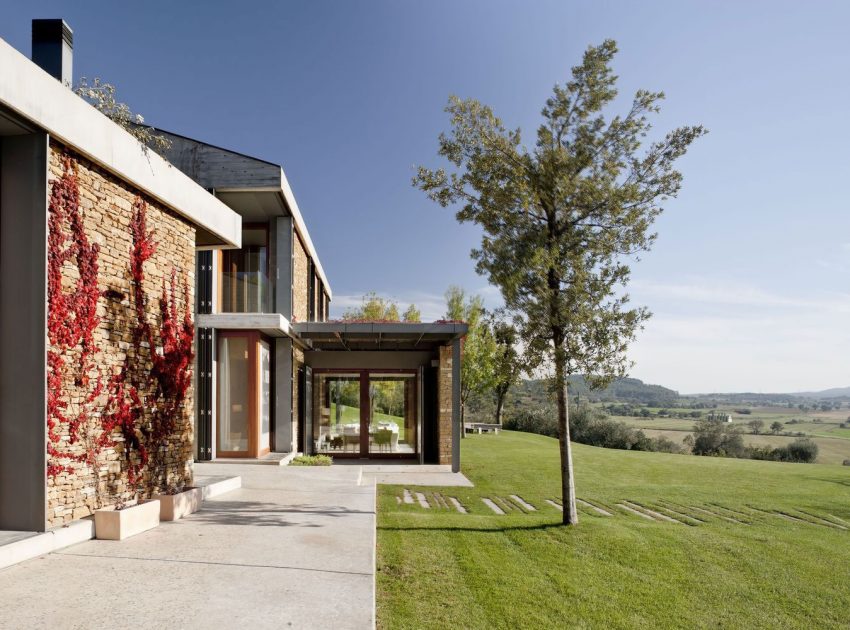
<point x="274" y="376"/>
<point x="113" y="257"/>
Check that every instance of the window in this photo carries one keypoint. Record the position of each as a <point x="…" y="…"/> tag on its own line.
<point x="245" y="286"/>
<point x="311" y="291"/>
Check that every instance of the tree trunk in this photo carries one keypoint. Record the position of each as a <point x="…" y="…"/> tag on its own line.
<point x="568" y="491"/>
<point x="500" y="403"/>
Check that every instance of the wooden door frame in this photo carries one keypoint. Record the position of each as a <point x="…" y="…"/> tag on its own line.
<point x="365" y="410"/>
<point x="254" y="337"/>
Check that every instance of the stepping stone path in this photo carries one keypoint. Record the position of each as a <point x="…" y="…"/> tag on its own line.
<point x="490" y="504"/>
<point x="458" y="505"/>
<point x="625" y="507"/>
<point x="662" y="511"/>
<point x="523" y="504"/>
<point x="658" y="516"/>
<point x="595" y="508"/>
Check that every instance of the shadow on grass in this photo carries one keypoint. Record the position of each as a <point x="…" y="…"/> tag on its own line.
<point x="483" y="530"/>
<point x="261" y="514"/>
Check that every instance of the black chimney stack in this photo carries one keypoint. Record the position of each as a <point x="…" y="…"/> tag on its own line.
<point x="53" y="48"/>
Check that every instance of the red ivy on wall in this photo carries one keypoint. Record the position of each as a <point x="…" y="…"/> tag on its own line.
<point x="144" y="422"/>
<point x="71" y="321"/>
<point x="148" y="424"/>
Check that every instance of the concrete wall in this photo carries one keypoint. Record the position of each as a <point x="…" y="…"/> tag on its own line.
<point x="282" y="236"/>
<point x="23" y="312"/>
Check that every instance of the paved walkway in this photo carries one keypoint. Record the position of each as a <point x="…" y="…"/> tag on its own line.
<point x="295" y="547"/>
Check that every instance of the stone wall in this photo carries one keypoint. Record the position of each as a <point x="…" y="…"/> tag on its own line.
<point x="300" y="286"/>
<point x="444" y="406"/>
<point x="107" y="206"/>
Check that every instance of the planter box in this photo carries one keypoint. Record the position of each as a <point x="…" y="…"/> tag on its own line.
<point x="176" y="506"/>
<point x="112" y="524"/>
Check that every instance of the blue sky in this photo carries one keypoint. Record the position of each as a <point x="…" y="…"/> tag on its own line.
<point x="749" y="278"/>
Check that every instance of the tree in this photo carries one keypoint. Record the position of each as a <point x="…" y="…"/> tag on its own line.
<point x="479" y="347"/>
<point x="561" y="220"/>
<point x="507" y="361"/>
<point x="412" y="314"/>
<point x="101" y="96"/>
<point x="756" y="426"/>
<point x="776" y="427"/>
<point x="375" y="308"/>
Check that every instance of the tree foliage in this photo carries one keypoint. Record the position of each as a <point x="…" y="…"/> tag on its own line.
<point x="562" y="220"/>
<point x="375" y="308"/>
<point x="507" y="360"/>
<point x="479" y="346"/>
<point x="101" y="96"/>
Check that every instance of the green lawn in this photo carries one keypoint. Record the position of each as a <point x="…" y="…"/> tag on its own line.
<point x="441" y="569"/>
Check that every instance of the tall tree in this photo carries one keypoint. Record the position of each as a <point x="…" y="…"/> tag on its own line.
<point x="507" y="361"/>
<point x="562" y="220"/>
<point x="479" y="347"/>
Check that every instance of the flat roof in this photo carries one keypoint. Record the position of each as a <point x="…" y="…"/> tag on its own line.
<point x="39" y="98"/>
<point x="342" y="335"/>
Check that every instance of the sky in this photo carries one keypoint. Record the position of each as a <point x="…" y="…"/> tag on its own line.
<point x="748" y="280"/>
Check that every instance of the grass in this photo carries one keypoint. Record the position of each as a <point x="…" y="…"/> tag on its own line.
<point x="438" y="568"/>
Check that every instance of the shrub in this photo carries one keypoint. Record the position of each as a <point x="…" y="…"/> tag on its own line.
<point x="540" y="421"/>
<point x="846" y="462"/>
<point x="312" y="460"/>
<point x="718" y="439"/>
<point x="803" y="450"/>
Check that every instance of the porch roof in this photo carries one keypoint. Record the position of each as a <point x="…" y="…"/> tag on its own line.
<point x="379" y="335"/>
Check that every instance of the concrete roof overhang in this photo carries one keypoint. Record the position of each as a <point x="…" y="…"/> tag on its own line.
<point x="379" y="335"/>
<point x="44" y="103"/>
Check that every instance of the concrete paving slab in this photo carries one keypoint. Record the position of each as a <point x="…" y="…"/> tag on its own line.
<point x="294" y="547"/>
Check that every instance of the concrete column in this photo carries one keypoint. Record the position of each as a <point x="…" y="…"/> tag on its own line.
<point x="284" y="415"/>
<point x="282" y="266"/>
<point x="23" y="332"/>
<point x="456" y="428"/>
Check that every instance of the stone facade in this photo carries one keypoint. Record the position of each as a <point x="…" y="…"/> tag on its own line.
<point x="300" y="286"/>
<point x="107" y="205"/>
<point x="444" y="406"/>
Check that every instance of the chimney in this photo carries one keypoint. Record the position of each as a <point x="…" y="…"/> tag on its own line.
<point x="53" y="48"/>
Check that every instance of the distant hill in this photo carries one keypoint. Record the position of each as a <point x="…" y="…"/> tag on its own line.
<point x="835" y="392"/>
<point x="536" y="393"/>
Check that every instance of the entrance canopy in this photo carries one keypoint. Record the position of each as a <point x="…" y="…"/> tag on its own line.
<point x="341" y="335"/>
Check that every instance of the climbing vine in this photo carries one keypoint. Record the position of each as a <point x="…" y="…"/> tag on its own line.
<point x="137" y="407"/>
<point x="71" y="321"/>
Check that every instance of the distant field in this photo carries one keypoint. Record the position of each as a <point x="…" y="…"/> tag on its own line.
<point x="764" y="545"/>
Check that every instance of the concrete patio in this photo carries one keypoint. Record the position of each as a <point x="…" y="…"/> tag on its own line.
<point x="294" y="547"/>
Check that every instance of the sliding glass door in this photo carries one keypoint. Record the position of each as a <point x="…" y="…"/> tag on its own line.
<point x="362" y="413"/>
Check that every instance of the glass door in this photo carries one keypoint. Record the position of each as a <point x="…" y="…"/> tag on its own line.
<point x="235" y="404"/>
<point x="243" y="419"/>
<point x="336" y="414"/>
<point x="392" y="414"/>
<point x="265" y="392"/>
<point x="364" y="413"/>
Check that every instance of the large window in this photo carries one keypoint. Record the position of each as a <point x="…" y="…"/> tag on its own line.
<point x="245" y="286"/>
<point x="363" y="413"/>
